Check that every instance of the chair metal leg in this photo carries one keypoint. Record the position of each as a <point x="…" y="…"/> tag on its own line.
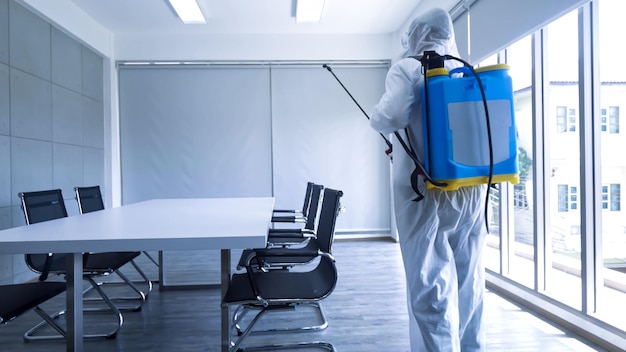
<point x="143" y="275"/>
<point x="292" y="346"/>
<point x="242" y="311"/>
<point x="134" y="308"/>
<point x="49" y="320"/>
<point x="236" y="346"/>
<point x="141" y="296"/>
<point x="151" y="258"/>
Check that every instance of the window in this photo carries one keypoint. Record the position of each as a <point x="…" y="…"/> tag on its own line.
<point x="615" y="197"/>
<point x="573" y="197"/>
<point x="561" y="119"/>
<point x="566" y="119"/>
<point x="614" y="119"/>
<point x="571" y="120"/>
<point x="563" y="206"/>
<point x="568" y="198"/>
<point x="611" y="198"/>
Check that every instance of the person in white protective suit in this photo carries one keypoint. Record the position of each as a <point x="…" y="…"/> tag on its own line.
<point x="442" y="235"/>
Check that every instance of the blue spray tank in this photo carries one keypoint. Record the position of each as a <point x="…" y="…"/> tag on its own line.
<point x="469" y="125"/>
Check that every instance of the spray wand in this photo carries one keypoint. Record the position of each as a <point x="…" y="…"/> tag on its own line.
<point x="408" y="149"/>
<point x="389" y="145"/>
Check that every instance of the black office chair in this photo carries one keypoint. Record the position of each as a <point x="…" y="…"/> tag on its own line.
<point x="89" y="199"/>
<point x="282" y="237"/>
<point x="48" y="205"/>
<point x="295" y="215"/>
<point x="286" y="257"/>
<point x="18" y="299"/>
<point x="279" y="290"/>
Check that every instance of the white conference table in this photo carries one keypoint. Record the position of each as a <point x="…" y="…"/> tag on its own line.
<point x="160" y="224"/>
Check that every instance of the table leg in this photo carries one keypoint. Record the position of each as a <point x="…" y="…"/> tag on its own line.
<point x="161" y="272"/>
<point x="74" y="302"/>
<point x="225" y="314"/>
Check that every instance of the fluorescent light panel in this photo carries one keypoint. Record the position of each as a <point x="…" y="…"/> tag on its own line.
<point x="188" y="11"/>
<point x="309" y="10"/>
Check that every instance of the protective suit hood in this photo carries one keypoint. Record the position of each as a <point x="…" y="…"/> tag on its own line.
<point x="432" y="30"/>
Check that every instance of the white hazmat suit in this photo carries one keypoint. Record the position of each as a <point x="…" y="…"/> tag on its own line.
<point x="442" y="235"/>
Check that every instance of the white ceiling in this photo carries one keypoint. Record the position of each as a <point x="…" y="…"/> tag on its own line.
<point x="256" y="16"/>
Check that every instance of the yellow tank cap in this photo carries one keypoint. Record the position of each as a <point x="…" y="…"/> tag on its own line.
<point x="493" y="68"/>
<point x="440" y="71"/>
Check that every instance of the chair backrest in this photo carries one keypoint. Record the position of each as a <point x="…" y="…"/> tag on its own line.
<point x="314" y="202"/>
<point x="328" y="219"/>
<point x="42" y="206"/>
<point x="89" y="199"/>
<point x="38" y="207"/>
<point x="307" y="198"/>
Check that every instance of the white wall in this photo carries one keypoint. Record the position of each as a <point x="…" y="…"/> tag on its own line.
<point x="129" y="47"/>
<point x="74" y="21"/>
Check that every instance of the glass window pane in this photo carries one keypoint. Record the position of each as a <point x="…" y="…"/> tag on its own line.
<point x="492" y="257"/>
<point x="611" y="24"/>
<point x="563" y="217"/>
<point x="521" y="256"/>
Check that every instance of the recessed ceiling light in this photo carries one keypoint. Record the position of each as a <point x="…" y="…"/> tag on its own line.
<point x="188" y="11"/>
<point x="309" y="10"/>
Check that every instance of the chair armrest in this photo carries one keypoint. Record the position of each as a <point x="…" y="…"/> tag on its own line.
<point x="293" y="211"/>
<point x="288" y="218"/>
<point x="301" y="232"/>
<point x="290" y="235"/>
<point x="257" y="255"/>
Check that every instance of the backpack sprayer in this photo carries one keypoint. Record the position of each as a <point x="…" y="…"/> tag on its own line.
<point x="458" y="150"/>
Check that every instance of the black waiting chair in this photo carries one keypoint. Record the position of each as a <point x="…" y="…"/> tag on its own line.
<point x="48" y="205"/>
<point x="89" y="199"/>
<point x="295" y="215"/>
<point x="264" y="291"/>
<point x="282" y="237"/>
<point x="288" y="256"/>
<point x="17" y="299"/>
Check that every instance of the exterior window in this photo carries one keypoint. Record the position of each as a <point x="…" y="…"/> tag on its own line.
<point x="571" y="120"/>
<point x="614" y="119"/>
<point x="615" y="197"/>
<point x="568" y="198"/>
<point x="611" y="197"/>
<point x="561" y="119"/>
<point x="603" y="120"/>
<point x="573" y="197"/>
<point x="563" y="199"/>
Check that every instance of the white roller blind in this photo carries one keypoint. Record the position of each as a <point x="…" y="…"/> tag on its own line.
<point x="195" y="132"/>
<point x="320" y="135"/>
<point x="495" y="24"/>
